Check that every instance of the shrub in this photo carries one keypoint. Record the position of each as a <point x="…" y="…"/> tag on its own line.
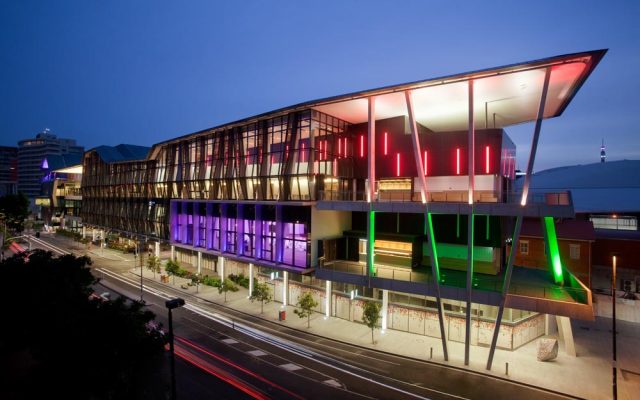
<point x="211" y="281"/>
<point x="240" y="279"/>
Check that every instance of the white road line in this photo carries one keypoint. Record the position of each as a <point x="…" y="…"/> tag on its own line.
<point x="290" y="367"/>
<point x="257" y="353"/>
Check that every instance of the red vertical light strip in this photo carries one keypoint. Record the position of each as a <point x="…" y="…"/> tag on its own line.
<point x="260" y="156"/>
<point x="303" y="151"/>
<point x="457" y="161"/>
<point x="361" y="146"/>
<point x="425" y="163"/>
<point x="339" y="147"/>
<point x="397" y="164"/>
<point x="325" y="150"/>
<point x="335" y="167"/>
<point x="345" y="147"/>
<point x="286" y="152"/>
<point x="386" y="145"/>
<point x="486" y="156"/>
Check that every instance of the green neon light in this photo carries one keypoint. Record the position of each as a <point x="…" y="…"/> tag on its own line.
<point x="434" y="250"/>
<point x="372" y="234"/>
<point x="487" y="234"/>
<point x="554" y="252"/>
<point x="470" y="245"/>
<point x="457" y="225"/>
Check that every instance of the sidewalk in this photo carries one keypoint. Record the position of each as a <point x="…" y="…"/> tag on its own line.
<point x="587" y="376"/>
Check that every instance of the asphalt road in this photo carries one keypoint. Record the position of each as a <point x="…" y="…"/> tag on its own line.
<point x="306" y="365"/>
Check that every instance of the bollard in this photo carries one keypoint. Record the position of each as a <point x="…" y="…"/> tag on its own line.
<point x="431" y="354"/>
<point x="506" y="368"/>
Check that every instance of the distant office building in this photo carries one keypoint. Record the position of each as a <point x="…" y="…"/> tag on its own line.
<point x="8" y="170"/>
<point x="60" y="199"/>
<point x="31" y="159"/>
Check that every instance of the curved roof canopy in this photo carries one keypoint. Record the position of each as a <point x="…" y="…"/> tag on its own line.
<point x="503" y="96"/>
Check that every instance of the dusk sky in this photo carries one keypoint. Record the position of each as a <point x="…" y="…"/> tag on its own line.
<point x="140" y="72"/>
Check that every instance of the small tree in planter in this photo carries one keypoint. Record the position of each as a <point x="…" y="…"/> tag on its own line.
<point x="371" y="316"/>
<point x="171" y="268"/>
<point x="261" y="293"/>
<point x="227" y="286"/>
<point x="306" y="304"/>
<point x="153" y="263"/>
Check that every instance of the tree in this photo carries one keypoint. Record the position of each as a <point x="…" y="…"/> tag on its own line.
<point x="14" y="209"/>
<point x="261" y="293"/>
<point x="227" y="286"/>
<point x="56" y="331"/>
<point x="371" y="315"/>
<point x="171" y="268"/>
<point x="153" y="263"/>
<point x="306" y="304"/>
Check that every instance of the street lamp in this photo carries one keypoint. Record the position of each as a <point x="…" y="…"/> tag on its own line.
<point x="613" y="303"/>
<point x="171" y="304"/>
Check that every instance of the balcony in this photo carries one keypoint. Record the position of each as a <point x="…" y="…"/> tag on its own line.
<point x="530" y="289"/>
<point x="487" y="202"/>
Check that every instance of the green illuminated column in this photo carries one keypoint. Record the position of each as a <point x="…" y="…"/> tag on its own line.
<point x="434" y="251"/>
<point x="553" y="252"/>
<point x="371" y="237"/>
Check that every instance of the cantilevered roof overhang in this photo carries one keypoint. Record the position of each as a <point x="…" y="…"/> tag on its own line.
<point x="503" y="96"/>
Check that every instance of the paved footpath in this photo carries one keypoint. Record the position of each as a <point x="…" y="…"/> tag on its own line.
<point x="589" y="375"/>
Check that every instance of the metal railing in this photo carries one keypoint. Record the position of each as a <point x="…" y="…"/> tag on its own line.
<point x="552" y="199"/>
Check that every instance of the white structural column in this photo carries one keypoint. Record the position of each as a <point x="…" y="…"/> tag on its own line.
<point x="93" y="234"/>
<point x="516" y="232"/>
<point x="385" y="308"/>
<point x="327" y="299"/>
<point x="371" y="156"/>
<point x="221" y="268"/>
<point x="565" y="334"/>
<point x="84" y="232"/>
<point x="199" y="262"/>
<point x="536" y="136"/>
<point x="250" y="279"/>
<point x="157" y="249"/>
<point x="285" y="287"/>
<point x="415" y="140"/>
<point x="471" y="171"/>
<point x="173" y="252"/>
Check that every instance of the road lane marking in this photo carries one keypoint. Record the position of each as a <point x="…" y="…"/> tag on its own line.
<point x="230" y="341"/>
<point x="257" y="353"/>
<point x="290" y="367"/>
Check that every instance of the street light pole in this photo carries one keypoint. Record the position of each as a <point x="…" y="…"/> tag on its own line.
<point x="613" y="302"/>
<point x="171" y="304"/>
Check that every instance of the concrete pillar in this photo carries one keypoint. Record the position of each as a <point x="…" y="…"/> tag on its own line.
<point x="173" y="252"/>
<point x="84" y="232"/>
<point x="93" y="234"/>
<point x="221" y="267"/>
<point x="199" y="262"/>
<point x="285" y="287"/>
<point x="327" y="299"/>
<point x="250" y="279"/>
<point x="385" y="307"/>
<point x="550" y="325"/>
<point x="157" y="249"/>
<point x="565" y="335"/>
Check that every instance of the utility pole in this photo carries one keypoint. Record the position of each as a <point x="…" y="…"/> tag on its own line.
<point x="613" y="334"/>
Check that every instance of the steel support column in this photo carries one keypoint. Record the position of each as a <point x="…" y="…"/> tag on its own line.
<point x="505" y="289"/>
<point x="523" y="202"/>
<point x="371" y="157"/>
<point x="471" y="172"/>
<point x="536" y="136"/>
<point x="435" y="273"/>
<point x="415" y="141"/>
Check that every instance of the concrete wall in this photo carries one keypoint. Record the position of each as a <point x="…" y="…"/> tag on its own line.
<point x="626" y="310"/>
<point x="326" y="224"/>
